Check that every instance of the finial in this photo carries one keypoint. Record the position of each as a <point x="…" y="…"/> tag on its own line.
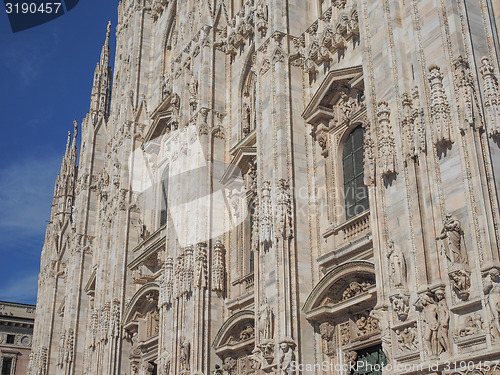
<point x="109" y="27"/>
<point x="75" y="132"/>
<point x="68" y="141"/>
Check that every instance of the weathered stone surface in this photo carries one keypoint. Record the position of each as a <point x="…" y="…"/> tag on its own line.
<point x="350" y="152"/>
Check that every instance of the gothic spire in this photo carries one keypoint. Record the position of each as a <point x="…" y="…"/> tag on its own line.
<point x="101" y="89"/>
<point x="105" y="49"/>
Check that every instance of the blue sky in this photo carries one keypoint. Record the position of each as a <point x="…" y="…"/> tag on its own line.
<point x="45" y="82"/>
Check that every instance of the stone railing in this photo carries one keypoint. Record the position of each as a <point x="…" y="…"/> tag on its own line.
<point x="248" y="281"/>
<point x="356" y="226"/>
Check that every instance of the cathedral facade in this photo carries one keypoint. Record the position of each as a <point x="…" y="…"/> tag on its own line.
<point x="281" y="187"/>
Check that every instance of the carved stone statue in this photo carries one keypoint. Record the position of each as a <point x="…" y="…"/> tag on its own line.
<point x="60" y="354"/>
<point x="397" y="265"/>
<point x="444" y="321"/>
<point x="428" y="305"/>
<point x="286" y="358"/>
<point x="230" y="365"/>
<point x="256" y="359"/>
<point x="246" y="119"/>
<point x="327" y="332"/>
<point x="453" y="241"/>
<point x="184" y="356"/>
<point x="266" y="322"/>
<point x="492" y="293"/>
<point x="193" y="92"/>
<point x="350" y="358"/>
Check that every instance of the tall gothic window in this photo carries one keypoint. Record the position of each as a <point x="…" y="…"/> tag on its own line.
<point x="164" y="197"/>
<point x="355" y="191"/>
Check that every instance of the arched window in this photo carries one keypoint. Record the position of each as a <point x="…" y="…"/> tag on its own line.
<point x="164" y="197"/>
<point x="355" y="191"/>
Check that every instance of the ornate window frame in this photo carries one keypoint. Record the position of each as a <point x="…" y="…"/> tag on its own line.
<point x="339" y="308"/>
<point x="236" y="352"/>
<point x="336" y="109"/>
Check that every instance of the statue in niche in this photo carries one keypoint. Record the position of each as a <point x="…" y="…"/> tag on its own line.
<point x="184" y="354"/>
<point x="444" y="321"/>
<point x="428" y="305"/>
<point x="460" y="281"/>
<point x="437" y="318"/>
<point x="166" y="87"/>
<point x="452" y="236"/>
<point x="492" y="293"/>
<point x="246" y="119"/>
<point x="193" y="91"/>
<point x="397" y="265"/>
<point x="266" y="322"/>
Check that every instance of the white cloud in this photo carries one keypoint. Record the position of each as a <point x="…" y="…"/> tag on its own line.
<point x="26" y="190"/>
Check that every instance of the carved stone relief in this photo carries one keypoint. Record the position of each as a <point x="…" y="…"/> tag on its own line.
<point x="400" y="305"/>
<point x="407" y="339"/>
<point x="327" y="331"/>
<point x="453" y="243"/>
<point x="472" y="325"/>
<point x="436" y="319"/>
